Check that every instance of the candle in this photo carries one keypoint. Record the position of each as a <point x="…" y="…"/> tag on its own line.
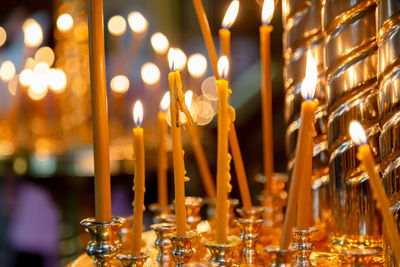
<point x="139" y="180"/>
<point x="300" y="186"/>
<point x="199" y="154"/>
<point x="224" y="32"/>
<point x="266" y="94"/>
<point x="162" y="185"/>
<point x="368" y="164"/>
<point x="177" y="103"/>
<point x="99" y="112"/>
<point x="225" y="117"/>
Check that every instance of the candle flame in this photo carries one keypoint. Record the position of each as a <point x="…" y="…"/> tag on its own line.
<point x="150" y="73"/>
<point x="197" y="65"/>
<point x="188" y="99"/>
<point x="64" y="22"/>
<point x="33" y="34"/>
<point x="267" y="11"/>
<point x="231" y="14"/>
<point x="164" y="104"/>
<point x="310" y="81"/>
<point x="171" y="59"/>
<point x="357" y="133"/>
<point x="119" y="84"/>
<point x="57" y="80"/>
<point x="137" y="22"/>
<point x="223" y="67"/>
<point x="116" y="25"/>
<point x="159" y="42"/>
<point x="138" y="113"/>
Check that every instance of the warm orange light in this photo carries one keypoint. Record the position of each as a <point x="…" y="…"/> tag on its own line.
<point x="116" y="25"/>
<point x="223" y="67"/>
<point x="45" y="54"/>
<point x="310" y="81"/>
<point x="188" y="98"/>
<point x="150" y="73"/>
<point x="33" y="34"/>
<point x="197" y="65"/>
<point x="180" y="59"/>
<point x="138" y="113"/>
<point x="64" y="22"/>
<point x="171" y="59"/>
<point x="231" y="14"/>
<point x="38" y="85"/>
<point x="357" y="133"/>
<point x="119" y="84"/>
<point x="3" y="36"/>
<point x="267" y="11"/>
<point x="57" y="80"/>
<point x="137" y="22"/>
<point x="7" y="70"/>
<point x="164" y="104"/>
<point x="159" y="43"/>
<point x="25" y="77"/>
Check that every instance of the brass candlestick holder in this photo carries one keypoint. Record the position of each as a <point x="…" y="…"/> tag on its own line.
<point x="254" y="213"/>
<point x="128" y="260"/>
<point x="105" y="243"/>
<point x="182" y="247"/>
<point x="250" y="229"/>
<point x="162" y="242"/>
<point x="193" y="206"/>
<point x="279" y="257"/>
<point x="302" y="242"/>
<point x="222" y="254"/>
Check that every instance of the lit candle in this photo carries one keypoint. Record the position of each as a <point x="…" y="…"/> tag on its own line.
<point x="99" y="112"/>
<point x="176" y="103"/>
<point x="116" y="27"/>
<point x="139" y="180"/>
<point x="162" y="185"/>
<point x="224" y="32"/>
<point x="368" y="164"/>
<point x="199" y="154"/>
<point x="300" y="186"/>
<point x="266" y="93"/>
<point x="225" y="117"/>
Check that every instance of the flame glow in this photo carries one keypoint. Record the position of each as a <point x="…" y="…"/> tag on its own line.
<point x="33" y="34"/>
<point x="267" y="11"/>
<point x="116" y="25"/>
<point x="119" y="84"/>
<point x="180" y="59"/>
<point x="38" y="86"/>
<point x="138" y="113"/>
<point x="164" y="104"/>
<point x="197" y="65"/>
<point x="310" y="81"/>
<point x="357" y="133"/>
<point x="150" y="73"/>
<point x="3" y="36"/>
<point x="231" y="14"/>
<point x="188" y="99"/>
<point x="171" y="59"/>
<point x="137" y="22"/>
<point x="25" y="77"/>
<point x="45" y="54"/>
<point x="64" y="22"/>
<point x="57" y="80"/>
<point x="223" y="67"/>
<point x="159" y="43"/>
<point x="7" y="70"/>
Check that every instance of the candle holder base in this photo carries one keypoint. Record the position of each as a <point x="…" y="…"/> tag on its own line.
<point x="254" y="213"/>
<point x="182" y="247"/>
<point x="222" y="254"/>
<point x="302" y="242"/>
<point x="162" y="242"/>
<point x="105" y="243"/>
<point x="250" y="229"/>
<point x="128" y="260"/>
<point x="279" y="257"/>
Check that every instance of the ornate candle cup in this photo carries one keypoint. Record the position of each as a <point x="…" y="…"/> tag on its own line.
<point x="128" y="261"/>
<point x="302" y="242"/>
<point x="250" y="229"/>
<point x="254" y="213"/>
<point x="104" y="244"/>
<point x="162" y="242"/>
<point x="159" y="210"/>
<point x="279" y="258"/>
<point x="182" y="247"/>
<point x="193" y="206"/>
<point x="222" y="254"/>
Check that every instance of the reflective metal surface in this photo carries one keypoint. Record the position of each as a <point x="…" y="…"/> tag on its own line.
<point x="303" y="32"/>
<point x="352" y="92"/>
<point x="388" y="40"/>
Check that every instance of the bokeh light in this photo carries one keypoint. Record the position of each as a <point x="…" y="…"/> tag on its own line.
<point x="159" y="42"/>
<point x="137" y="22"/>
<point x="45" y="54"/>
<point x="150" y="73"/>
<point x="209" y="88"/>
<point x="197" y="65"/>
<point x="64" y="22"/>
<point x="25" y="77"/>
<point x="33" y="34"/>
<point x="7" y="70"/>
<point x="3" y="36"/>
<point x="179" y="59"/>
<point x="116" y="25"/>
<point x="57" y="80"/>
<point x="119" y="84"/>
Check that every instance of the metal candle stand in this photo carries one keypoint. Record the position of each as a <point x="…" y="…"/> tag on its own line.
<point x="128" y="260"/>
<point x="302" y="242"/>
<point x="222" y="254"/>
<point x="250" y="229"/>
<point x="162" y="242"/>
<point x="182" y="247"/>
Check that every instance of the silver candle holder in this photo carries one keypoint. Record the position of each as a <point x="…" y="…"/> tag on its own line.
<point x="222" y="254"/>
<point x="249" y="233"/>
<point x="163" y="243"/>
<point x="128" y="260"/>
<point x="279" y="257"/>
<point x="182" y="247"/>
<point x="303" y="243"/>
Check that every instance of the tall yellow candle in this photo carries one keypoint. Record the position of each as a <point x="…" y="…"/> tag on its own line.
<point x="266" y="94"/>
<point x="139" y="180"/>
<point x="162" y="185"/>
<point x="99" y="112"/>
<point x="368" y="164"/>
<point x="223" y="158"/>
<point x="199" y="154"/>
<point x="300" y="186"/>
<point x="175" y="88"/>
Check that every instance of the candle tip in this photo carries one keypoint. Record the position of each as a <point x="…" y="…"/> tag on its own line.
<point x="310" y="81"/>
<point x="357" y="133"/>
<point x="223" y="67"/>
<point x="231" y="14"/>
<point x="138" y="113"/>
<point x="267" y="11"/>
